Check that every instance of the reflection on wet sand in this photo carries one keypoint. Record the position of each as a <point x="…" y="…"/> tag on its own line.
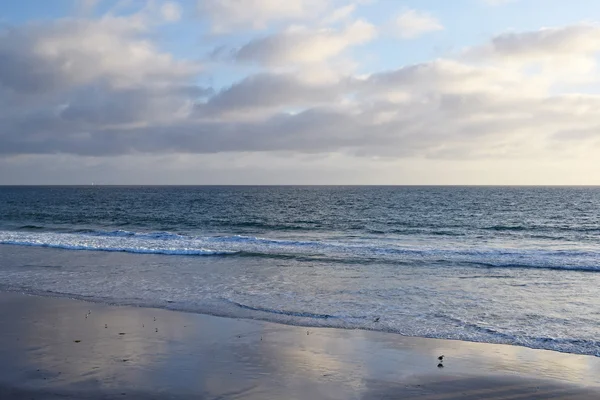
<point x="164" y="354"/>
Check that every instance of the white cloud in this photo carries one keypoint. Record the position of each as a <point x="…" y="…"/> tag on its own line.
<point x="103" y="89"/>
<point x="573" y="40"/>
<point x="340" y="14"/>
<point x="171" y="11"/>
<point x="563" y="55"/>
<point x="305" y="46"/>
<point x="68" y="53"/>
<point x="225" y="15"/>
<point x="412" y="23"/>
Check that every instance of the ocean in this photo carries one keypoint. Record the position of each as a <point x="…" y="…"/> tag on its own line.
<point x="512" y="265"/>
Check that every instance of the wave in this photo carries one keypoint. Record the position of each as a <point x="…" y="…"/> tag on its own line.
<point x="141" y="235"/>
<point x="283" y="312"/>
<point x="113" y="241"/>
<point x="340" y="250"/>
<point x="452" y="328"/>
<point x="539" y="265"/>
<point x="487" y="334"/>
<point x="507" y="228"/>
<point x="138" y="250"/>
<point x="542" y="228"/>
<point x="31" y="227"/>
<point x="288" y="226"/>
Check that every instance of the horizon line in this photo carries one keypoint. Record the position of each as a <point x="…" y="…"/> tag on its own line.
<point x="295" y="185"/>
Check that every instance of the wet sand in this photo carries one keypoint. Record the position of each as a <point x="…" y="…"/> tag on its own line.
<point x="53" y="348"/>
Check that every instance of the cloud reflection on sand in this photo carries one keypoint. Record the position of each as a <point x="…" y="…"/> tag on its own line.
<point x="208" y="356"/>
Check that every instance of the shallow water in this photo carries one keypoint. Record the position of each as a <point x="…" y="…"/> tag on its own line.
<point x="500" y="265"/>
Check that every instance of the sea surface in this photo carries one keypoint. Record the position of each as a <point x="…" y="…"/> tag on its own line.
<point x="514" y="265"/>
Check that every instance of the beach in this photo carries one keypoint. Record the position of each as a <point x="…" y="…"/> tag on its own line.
<point x="57" y="348"/>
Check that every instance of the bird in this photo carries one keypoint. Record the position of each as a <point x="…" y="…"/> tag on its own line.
<point x="105" y="325"/>
<point x="441" y="358"/>
<point x="440" y="365"/>
<point x="376" y="319"/>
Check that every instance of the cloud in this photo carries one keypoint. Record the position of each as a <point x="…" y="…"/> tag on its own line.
<point x="546" y="43"/>
<point x="305" y="46"/>
<point x="84" y="95"/>
<point x="62" y="81"/>
<point x="171" y="11"/>
<point x="59" y="55"/>
<point x="412" y="23"/>
<point x="99" y="106"/>
<point x="269" y="91"/>
<point x="86" y="7"/>
<point x="339" y="14"/>
<point x="561" y="56"/>
<point x="103" y="89"/>
<point x="226" y="15"/>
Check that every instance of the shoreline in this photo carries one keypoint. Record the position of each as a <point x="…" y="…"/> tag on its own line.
<point x="56" y="346"/>
<point x="305" y="325"/>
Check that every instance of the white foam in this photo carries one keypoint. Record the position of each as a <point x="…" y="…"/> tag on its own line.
<point x="339" y="250"/>
<point x="119" y="241"/>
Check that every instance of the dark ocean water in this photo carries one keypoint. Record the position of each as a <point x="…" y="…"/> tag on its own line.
<point x="493" y="264"/>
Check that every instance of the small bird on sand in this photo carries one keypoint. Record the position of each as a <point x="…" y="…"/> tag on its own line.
<point x="105" y="326"/>
<point x="441" y="358"/>
<point x="440" y="365"/>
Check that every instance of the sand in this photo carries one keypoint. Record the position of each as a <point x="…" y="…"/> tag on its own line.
<point x="56" y="348"/>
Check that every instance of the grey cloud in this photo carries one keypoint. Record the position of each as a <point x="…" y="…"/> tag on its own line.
<point x="59" y="55"/>
<point x="102" y="106"/>
<point x="151" y="105"/>
<point x="578" y="134"/>
<point x="269" y="91"/>
<point x="448" y="125"/>
<point x="581" y="39"/>
<point x="268" y="50"/>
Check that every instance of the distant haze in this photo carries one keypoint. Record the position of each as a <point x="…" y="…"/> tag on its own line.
<point x="299" y="92"/>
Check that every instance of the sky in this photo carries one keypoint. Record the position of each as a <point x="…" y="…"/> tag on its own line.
<point x="416" y="92"/>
